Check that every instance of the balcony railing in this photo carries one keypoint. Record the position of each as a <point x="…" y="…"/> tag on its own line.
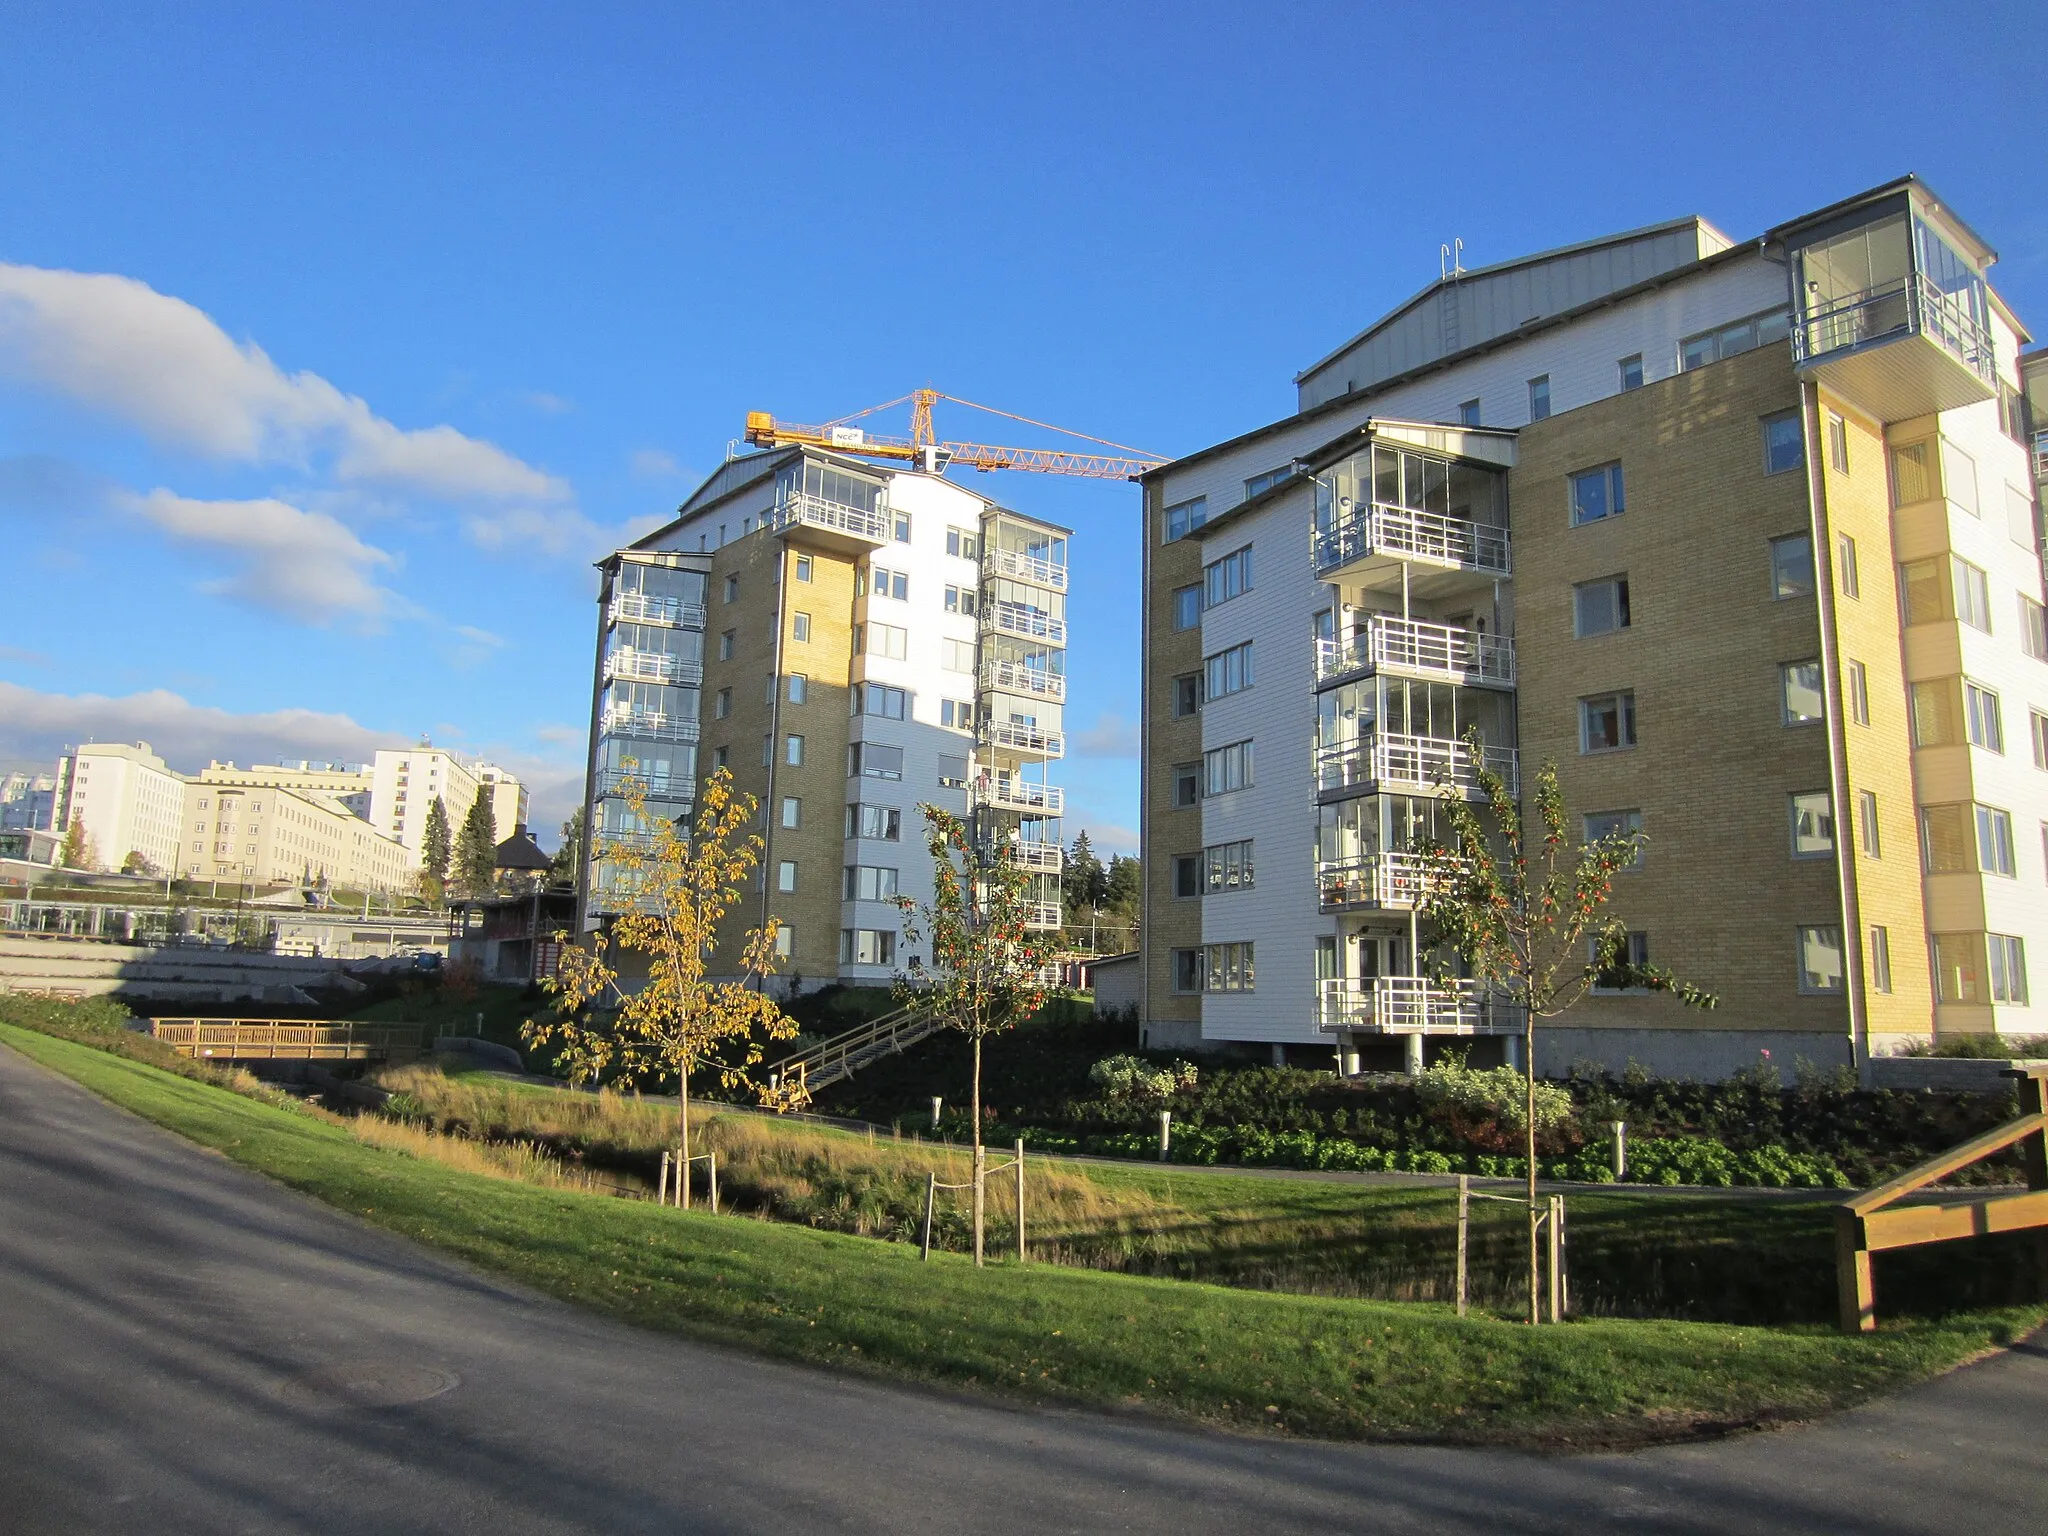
<point x="1412" y="1005"/>
<point x="1419" y="762"/>
<point x="1016" y="795"/>
<point x="1371" y="880"/>
<point x="1903" y="307"/>
<point x="667" y="786"/>
<point x="1042" y="914"/>
<point x="1024" y="738"/>
<point x="1390" y="644"/>
<point x="800" y="509"/>
<point x="645" y="608"/>
<point x="1402" y="533"/>
<point x="629" y="665"/>
<point x="2041" y="454"/>
<point x="1025" y="622"/>
<point x="1022" y="567"/>
<point x="1029" y="682"/>
<point x="1039" y="858"/>
<point x="648" y="725"/>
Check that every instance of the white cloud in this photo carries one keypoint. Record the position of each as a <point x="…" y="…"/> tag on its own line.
<point x="655" y="464"/>
<point x="36" y="727"/>
<point x="560" y="735"/>
<point x="1110" y="736"/>
<point x="302" y="565"/>
<point x="558" y="532"/>
<point x="117" y="345"/>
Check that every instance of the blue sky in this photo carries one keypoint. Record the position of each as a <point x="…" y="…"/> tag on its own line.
<point x="406" y="312"/>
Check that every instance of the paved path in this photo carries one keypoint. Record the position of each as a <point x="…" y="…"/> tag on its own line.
<point x="186" y="1347"/>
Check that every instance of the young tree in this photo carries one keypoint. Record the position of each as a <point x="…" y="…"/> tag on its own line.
<point x="434" y="848"/>
<point x="984" y="972"/>
<point x="77" y="850"/>
<point x="476" y="847"/>
<point x="568" y="860"/>
<point x="1528" y="927"/>
<point x="677" y="1022"/>
<point x="139" y="863"/>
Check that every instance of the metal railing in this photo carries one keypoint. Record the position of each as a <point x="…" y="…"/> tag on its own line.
<point x="1030" y="682"/>
<point x="1412" y="1005"/>
<point x="645" y="608"/>
<point x="1024" y="738"/>
<point x="658" y="787"/>
<point x="1022" y="567"/>
<point x="635" y="666"/>
<point x="2041" y="454"/>
<point x="1422" y="761"/>
<point x="796" y="1077"/>
<point x="287" y="1039"/>
<point x="799" y="508"/>
<point x="1371" y="880"/>
<point x="1016" y="795"/>
<point x="1039" y="858"/>
<point x="1406" y="534"/>
<point x="1388" y="643"/>
<point x="1026" y="622"/>
<point x="1042" y="914"/>
<point x="648" y="725"/>
<point x="1906" y="306"/>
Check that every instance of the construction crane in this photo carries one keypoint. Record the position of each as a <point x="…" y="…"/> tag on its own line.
<point x="924" y="449"/>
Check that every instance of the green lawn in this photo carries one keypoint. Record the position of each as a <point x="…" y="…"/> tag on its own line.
<point x="1345" y="1369"/>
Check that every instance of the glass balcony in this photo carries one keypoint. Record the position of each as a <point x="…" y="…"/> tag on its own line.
<point x="1023" y="621"/>
<point x="1007" y="794"/>
<point x="840" y="522"/>
<point x="2041" y="454"/>
<point x="657" y="785"/>
<point x="1019" y="565"/>
<point x="1025" y="681"/>
<point x="647" y="725"/>
<point x="1417" y="648"/>
<point x="629" y="665"/>
<point x="1379" y="534"/>
<point x="1383" y="761"/>
<point x="1390" y="881"/>
<point x="651" y="608"/>
<point x="1039" y="858"/>
<point x="1412" y="1005"/>
<point x="1014" y="737"/>
<point x="1042" y="914"/>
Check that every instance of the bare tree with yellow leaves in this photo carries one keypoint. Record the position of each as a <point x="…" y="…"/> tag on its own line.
<point x="677" y="889"/>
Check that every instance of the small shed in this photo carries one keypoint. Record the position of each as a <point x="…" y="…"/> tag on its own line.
<point x="1118" y="982"/>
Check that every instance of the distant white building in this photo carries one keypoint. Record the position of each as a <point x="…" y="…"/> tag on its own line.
<point x="405" y="781"/>
<point x="125" y="798"/>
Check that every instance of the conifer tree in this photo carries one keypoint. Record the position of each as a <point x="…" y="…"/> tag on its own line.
<point x="568" y="859"/>
<point x="476" y="847"/>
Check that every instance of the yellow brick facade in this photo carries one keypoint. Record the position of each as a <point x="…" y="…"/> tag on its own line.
<point x="1170" y="652"/>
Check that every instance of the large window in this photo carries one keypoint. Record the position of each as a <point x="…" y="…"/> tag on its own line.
<point x="1187" y="606"/>
<point x="1731" y="340"/>
<point x="960" y="600"/>
<point x="1184" y="517"/>
<point x="882" y="823"/>
<point x="964" y="543"/>
<point x="1228" y="866"/>
<point x="1966" y="839"/>
<point x="890" y="584"/>
<point x="1603" y="826"/>
<point x="1980" y="968"/>
<point x="1813" y="824"/>
<point x="1994" y="841"/>
<point x="1227" y="768"/>
<point x="1981" y="715"/>
<point x="871" y="760"/>
<point x="870" y="882"/>
<point x="880" y="700"/>
<point x="1784" y="443"/>
<point x="867" y="946"/>
<point x="1803" y="702"/>
<point x="1792" y="566"/>
<point x="1607" y="722"/>
<point x="1820" y="959"/>
<point x="1228" y="672"/>
<point x="1229" y="968"/>
<point x="2008" y="956"/>
<point x="956" y="655"/>
<point x="1600" y="607"/>
<point x="891" y="641"/>
<point x="1631" y="957"/>
<point x="1227" y="578"/>
<point x="1596" y="494"/>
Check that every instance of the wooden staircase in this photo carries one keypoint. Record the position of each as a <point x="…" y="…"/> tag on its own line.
<point x="795" y="1078"/>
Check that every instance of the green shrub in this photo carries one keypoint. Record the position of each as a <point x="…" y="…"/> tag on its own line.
<point x="1131" y="1080"/>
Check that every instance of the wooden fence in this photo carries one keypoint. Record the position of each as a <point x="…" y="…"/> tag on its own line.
<point x="288" y="1039"/>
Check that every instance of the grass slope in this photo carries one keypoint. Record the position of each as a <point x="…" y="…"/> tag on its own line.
<point x="1227" y="1357"/>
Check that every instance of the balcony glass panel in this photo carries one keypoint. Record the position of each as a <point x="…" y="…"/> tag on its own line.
<point x="1897" y="276"/>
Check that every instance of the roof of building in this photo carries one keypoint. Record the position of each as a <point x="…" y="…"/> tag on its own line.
<point x="520" y="851"/>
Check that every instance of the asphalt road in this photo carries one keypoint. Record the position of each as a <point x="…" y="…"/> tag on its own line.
<point x="186" y="1347"/>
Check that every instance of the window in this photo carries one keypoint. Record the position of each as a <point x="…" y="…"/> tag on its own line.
<point x="1228" y="866"/>
<point x="792" y="811"/>
<point x="1973" y="595"/>
<point x="1800" y="690"/>
<point x="1980" y="710"/>
<point x="2019" y="517"/>
<point x="793" y="751"/>
<point x="1227" y="768"/>
<point x="960" y="600"/>
<point x="803" y="567"/>
<point x="785" y="875"/>
<point x="2008" y="956"/>
<point x="867" y="946"/>
<point x="1945" y="840"/>
<point x="890" y="641"/>
<point x="732" y="588"/>
<point x="1857" y="682"/>
<point x="1813" y="825"/>
<point x="2012" y="413"/>
<point x="2033" y="628"/>
<point x="1597" y="494"/>
<point x="869" y="882"/>
<point x="799" y="688"/>
<point x="956" y="714"/>
<point x="1184" y="517"/>
<point x="894" y="585"/>
<point x="1227" y="578"/>
<point x="1959" y="472"/>
<point x="1631" y="372"/>
<point x="1838" y="444"/>
<point x="1820" y="960"/>
<point x="725" y="644"/>
<point x="1937" y="713"/>
<point x="1600" y="607"/>
<point x="1994" y="841"/>
<point x="767" y="750"/>
<point x="718" y="756"/>
<point x="1187" y="876"/>
<point x="1539" y="397"/>
<point x="1601" y="826"/>
<point x="1187" y="970"/>
<point x="1187" y="607"/>
<point x="1607" y="722"/>
<point x="785" y="941"/>
<point x="882" y="823"/>
<point x="1187" y="785"/>
<point x="952" y="771"/>
<point x="1880" y="959"/>
<point x="899" y="528"/>
<point x="2037" y="727"/>
<point x="1228" y="671"/>
<point x="800" y="628"/>
<point x="1731" y="340"/>
<point x="962" y="542"/>
<point x="1792" y="566"/>
<point x="1866" y="824"/>
<point x="1468" y="413"/>
<point x="1261" y="483"/>
<point x="871" y="760"/>
<point x="1187" y="694"/>
<point x="956" y="655"/>
<point x="1915" y="474"/>
<point x="1784" y="448"/>
<point x="721" y="704"/>
<point x="1846" y="571"/>
<point x="1229" y="968"/>
<point x="1633" y="954"/>
<point x="880" y="700"/>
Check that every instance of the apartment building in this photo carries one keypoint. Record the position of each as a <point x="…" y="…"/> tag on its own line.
<point x="28" y="802"/>
<point x="127" y="800"/>
<point x="252" y="825"/>
<point x="405" y="781"/>
<point x="850" y="641"/>
<point x="1741" y="535"/>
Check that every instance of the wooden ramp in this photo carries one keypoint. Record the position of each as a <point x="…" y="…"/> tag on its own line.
<point x="288" y="1039"/>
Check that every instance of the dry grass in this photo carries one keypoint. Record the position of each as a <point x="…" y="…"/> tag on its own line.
<point x="520" y="1160"/>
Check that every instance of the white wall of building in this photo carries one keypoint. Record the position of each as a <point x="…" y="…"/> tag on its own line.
<point x="128" y="800"/>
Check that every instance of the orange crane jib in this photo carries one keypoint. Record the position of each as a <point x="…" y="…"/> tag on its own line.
<point x="764" y="431"/>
